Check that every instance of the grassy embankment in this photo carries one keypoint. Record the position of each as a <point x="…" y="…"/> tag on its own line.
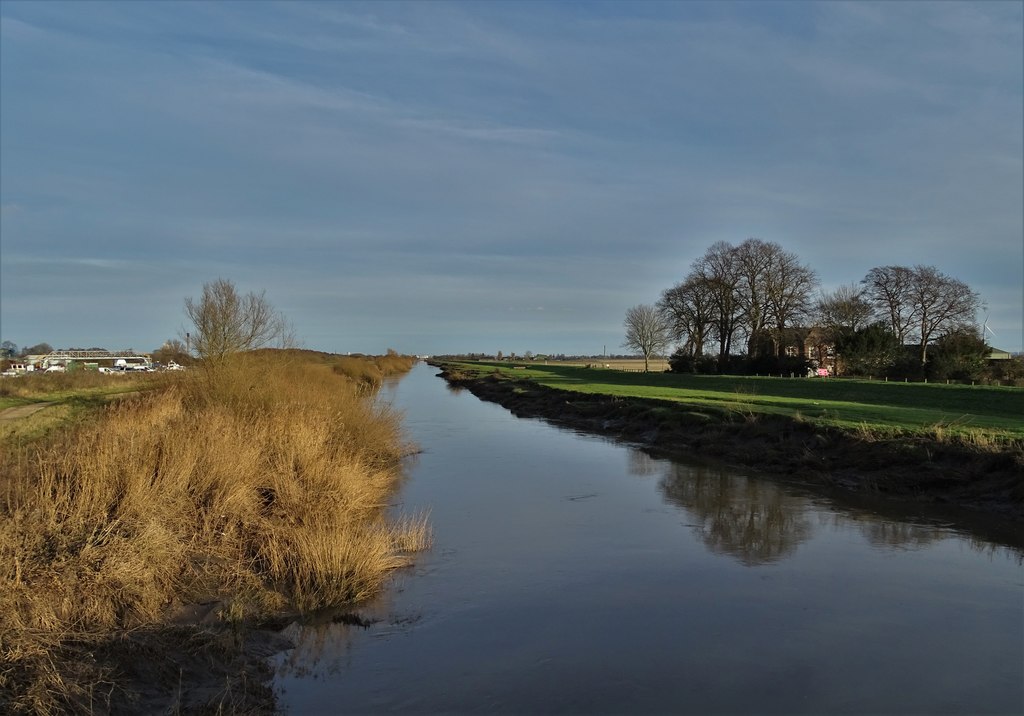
<point x="948" y="442"/>
<point x="256" y="489"/>
<point x="974" y="413"/>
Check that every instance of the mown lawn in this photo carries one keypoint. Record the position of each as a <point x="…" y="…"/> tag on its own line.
<point x="879" y="406"/>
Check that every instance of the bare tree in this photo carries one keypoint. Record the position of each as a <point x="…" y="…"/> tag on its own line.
<point x="755" y="262"/>
<point x="921" y="303"/>
<point x="942" y="304"/>
<point x="718" y="272"/>
<point x="889" y="290"/>
<point x="846" y="308"/>
<point x="647" y="331"/>
<point x="789" y="286"/>
<point x="227" y="322"/>
<point x="690" y="308"/>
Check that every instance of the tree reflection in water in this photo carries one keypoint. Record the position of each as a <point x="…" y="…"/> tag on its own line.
<point x="760" y="522"/>
<point x="902" y="535"/>
<point x="755" y="521"/>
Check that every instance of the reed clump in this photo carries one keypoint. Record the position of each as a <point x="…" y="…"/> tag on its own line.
<point x="259" y="485"/>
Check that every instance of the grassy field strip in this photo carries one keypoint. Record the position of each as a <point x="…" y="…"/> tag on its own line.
<point x="846" y="403"/>
<point x="832" y="411"/>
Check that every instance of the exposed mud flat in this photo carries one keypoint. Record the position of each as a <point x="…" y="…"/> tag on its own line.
<point x="981" y="479"/>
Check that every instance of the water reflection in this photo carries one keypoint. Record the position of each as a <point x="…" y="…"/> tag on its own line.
<point x="638" y="599"/>
<point x="760" y="522"/>
<point x="327" y="644"/>
<point x="755" y="521"/>
<point x="643" y="465"/>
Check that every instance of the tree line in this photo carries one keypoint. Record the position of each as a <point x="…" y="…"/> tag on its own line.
<point x="741" y="306"/>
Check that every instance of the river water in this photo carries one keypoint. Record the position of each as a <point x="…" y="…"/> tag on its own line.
<point x="571" y="574"/>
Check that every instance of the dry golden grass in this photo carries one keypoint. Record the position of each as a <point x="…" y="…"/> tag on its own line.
<point x="41" y="385"/>
<point x="260" y="484"/>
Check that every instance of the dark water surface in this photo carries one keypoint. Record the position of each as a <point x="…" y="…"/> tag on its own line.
<point x="570" y="574"/>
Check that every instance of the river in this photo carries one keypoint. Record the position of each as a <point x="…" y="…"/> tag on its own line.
<point x="571" y="574"/>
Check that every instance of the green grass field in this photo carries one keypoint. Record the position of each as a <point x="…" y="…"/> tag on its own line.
<point x="976" y="411"/>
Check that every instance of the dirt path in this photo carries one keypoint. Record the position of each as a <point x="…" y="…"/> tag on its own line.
<point x="22" y="411"/>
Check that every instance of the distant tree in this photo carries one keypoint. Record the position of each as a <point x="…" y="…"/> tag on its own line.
<point x="846" y="308"/>
<point x="8" y="349"/>
<point x="690" y="308"/>
<point x="921" y="303"/>
<point x="647" y="331"/>
<point x="718" y="271"/>
<point x="682" y="361"/>
<point x="38" y="349"/>
<point x="870" y="350"/>
<point x="943" y="305"/>
<point x="789" y="287"/>
<point x="754" y="260"/>
<point x="959" y="355"/>
<point x="228" y="322"/>
<point x="755" y="290"/>
<point x="889" y="288"/>
<point x="172" y="350"/>
<point x="500" y="355"/>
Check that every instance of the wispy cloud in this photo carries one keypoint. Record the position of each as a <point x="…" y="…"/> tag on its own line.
<point x="385" y="165"/>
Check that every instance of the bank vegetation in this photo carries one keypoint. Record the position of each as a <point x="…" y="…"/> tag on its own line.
<point x="139" y="546"/>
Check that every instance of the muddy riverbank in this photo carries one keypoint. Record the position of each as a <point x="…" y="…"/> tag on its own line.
<point x="982" y="479"/>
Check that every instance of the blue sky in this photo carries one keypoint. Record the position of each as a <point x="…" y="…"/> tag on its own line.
<point x="488" y="176"/>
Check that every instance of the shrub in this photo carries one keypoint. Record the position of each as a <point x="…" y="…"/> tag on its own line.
<point x="958" y="355"/>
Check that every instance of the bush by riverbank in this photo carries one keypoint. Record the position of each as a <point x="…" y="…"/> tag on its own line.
<point x="237" y="494"/>
<point x="981" y="469"/>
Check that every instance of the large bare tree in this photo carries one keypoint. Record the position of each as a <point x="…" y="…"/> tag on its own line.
<point x="228" y="322"/>
<point x="690" y="308"/>
<point x="890" y="288"/>
<point x="717" y="271"/>
<point x="789" y="285"/>
<point x="942" y="304"/>
<point x="755" y="262"/>
<point x="773" y="291"/>
<point x="845" y="309"/>
<point x="921" y="303"/>
<point x="647" y="331"/>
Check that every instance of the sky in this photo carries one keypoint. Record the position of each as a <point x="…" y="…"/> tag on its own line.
<point x="474" y="177"/>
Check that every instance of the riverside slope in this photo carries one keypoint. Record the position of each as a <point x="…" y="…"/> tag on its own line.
<point x="990" y="481"/>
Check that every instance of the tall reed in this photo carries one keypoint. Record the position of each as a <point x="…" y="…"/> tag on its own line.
<point x="260" y="484"/>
